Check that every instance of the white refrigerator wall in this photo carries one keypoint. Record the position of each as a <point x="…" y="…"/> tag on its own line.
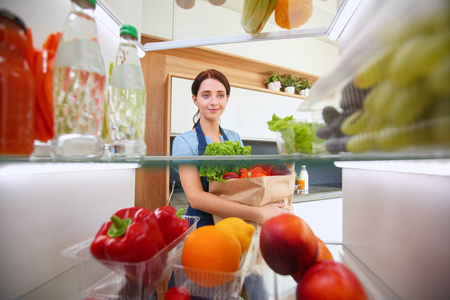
<point x="43" y="212"/>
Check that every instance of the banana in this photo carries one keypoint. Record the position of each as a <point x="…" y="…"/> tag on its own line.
<point x="375" y="72"/>
<point x="379" y="98"/>
<point x="355" y="123"/>
<point x="418" y="57"/>
<point x="255" y="14"/>
<point x="362" y="142"/>
<point x="437" y="81"/>
<point x="409" y="104"/>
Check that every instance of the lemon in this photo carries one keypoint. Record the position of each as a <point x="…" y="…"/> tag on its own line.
<point x="240" y="229"/>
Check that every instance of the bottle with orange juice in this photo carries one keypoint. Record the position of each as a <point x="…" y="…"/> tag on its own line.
<point x="303" y="180"/>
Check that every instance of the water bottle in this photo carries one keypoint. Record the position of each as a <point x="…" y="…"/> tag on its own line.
<point x="127" y="100"/>
<point x="303" y="179"/>
<point x="79" y="82"/>
<point x="16" y="88"/>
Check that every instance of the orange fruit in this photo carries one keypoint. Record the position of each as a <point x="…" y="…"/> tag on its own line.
<point x="291" y="14"/>
<point x="211" y="256"/>
<point x="323" y="252"/>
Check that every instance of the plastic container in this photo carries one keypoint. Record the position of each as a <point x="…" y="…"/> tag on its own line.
<point x="392" y="97"/>
<point x="16" y="86"/>
<point x="79" y="82"/>
<point x="127" y="100"/>
<point x="112" y="280"/>
<point x="229" y="290"/>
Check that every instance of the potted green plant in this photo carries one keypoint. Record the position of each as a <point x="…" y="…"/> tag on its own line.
<point x="290" y="83"/>
<point x="273" y="81"/>
<point x="304" y="85"/>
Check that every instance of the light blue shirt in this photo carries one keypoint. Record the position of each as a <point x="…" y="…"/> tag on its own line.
<point x="186" y="144"/>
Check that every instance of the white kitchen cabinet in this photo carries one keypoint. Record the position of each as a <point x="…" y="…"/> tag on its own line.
<point x="247" y="111"/>
<point x="323" y="216"/>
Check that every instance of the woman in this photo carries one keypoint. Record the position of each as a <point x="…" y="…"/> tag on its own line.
<point x="210" y="93"/>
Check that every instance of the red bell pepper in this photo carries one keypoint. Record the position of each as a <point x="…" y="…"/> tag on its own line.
<point x="257" y="172"/>
<point x="265" y="166"/>
<point x="243" y="173"/>
<point x="132" y="235"/>
<point x="171" y="223"/>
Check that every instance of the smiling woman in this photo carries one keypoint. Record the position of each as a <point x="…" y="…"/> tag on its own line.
<point x="210" y="93"/>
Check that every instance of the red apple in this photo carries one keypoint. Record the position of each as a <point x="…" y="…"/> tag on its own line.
<point x="328" y="279"/>
<point x="288" y="245"/>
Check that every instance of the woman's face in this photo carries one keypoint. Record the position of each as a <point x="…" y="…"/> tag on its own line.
<point x="211" y="99"/>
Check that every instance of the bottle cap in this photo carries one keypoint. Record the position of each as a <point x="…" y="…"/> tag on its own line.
<point x="303" y="166"/>
<point x="128" y="29"/>
<point x="94" y="2"/>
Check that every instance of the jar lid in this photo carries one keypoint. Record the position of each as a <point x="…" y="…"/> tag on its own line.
<point x="12" y="17"/>
<point x="128" y="29"/>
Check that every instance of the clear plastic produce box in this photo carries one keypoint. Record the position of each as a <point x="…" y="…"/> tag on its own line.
<point x="224" y="285"/>
<point x="106" y="280"/>
<point x="389" y="92"/>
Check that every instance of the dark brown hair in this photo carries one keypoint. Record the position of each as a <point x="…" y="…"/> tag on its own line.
<point x="211" y="73"/>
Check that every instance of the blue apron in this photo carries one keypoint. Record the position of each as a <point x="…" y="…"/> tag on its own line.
<point x="205" y="218"/>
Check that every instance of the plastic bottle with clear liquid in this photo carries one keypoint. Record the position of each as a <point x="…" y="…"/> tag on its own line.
<point x="303" y="179"/>
<point x="127" y="100"/>
<point x="79" y="82"/>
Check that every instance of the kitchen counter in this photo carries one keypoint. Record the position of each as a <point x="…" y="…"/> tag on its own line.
<point x="315" y="193"/>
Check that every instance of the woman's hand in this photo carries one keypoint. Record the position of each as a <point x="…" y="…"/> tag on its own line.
<point x="271" y="210"/>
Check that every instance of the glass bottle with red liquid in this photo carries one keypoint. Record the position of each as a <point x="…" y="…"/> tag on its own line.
<point x="79" y="86"/>
<point x="16" y="88"/>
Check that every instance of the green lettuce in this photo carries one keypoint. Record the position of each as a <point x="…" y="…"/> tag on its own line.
<point x="214" y="170"/>
<point x="298" y="136"/>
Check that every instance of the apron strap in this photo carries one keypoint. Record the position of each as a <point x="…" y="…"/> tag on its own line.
<point x="205" y="218"/>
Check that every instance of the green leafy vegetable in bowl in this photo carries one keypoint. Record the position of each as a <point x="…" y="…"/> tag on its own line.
<point x="214" y="170"/>
<point x="298" y="136"/>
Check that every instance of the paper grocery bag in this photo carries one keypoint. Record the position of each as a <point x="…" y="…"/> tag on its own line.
<point x="256" y="191"/>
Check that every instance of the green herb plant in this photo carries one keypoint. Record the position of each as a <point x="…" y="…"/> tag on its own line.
<point x="273" y="78"/>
